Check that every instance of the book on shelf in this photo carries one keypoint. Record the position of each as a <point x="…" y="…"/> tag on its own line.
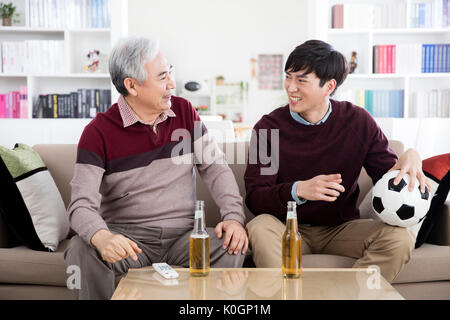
<point x="411" y="58"/>
<point x="430" y="14"/>
<point x="379" y="103"/>
<point x="435" y="58"/>
<point x="33" y="56"/>
<point x="368" y="16"/>
<point x="13" y="104"/>
<point x="82" y="103"/>
<point x="68" y="14"/>
<point x="430" y="103"/>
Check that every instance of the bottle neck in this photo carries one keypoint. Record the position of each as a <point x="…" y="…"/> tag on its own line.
<point x="291" y="221"/>
<point x="292" y="225"/>
<point x="199" y="221"/>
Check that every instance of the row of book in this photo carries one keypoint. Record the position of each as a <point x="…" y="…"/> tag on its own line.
<point x="429" y="14"/>
<point x="379" y="103"/>
<point x="33" y="56"/>
<point x="71" y="14"/>
<point x="430" y="103"/>
<point x="84" y="103"/>
<point x="368" y="16"/>
<point x="411" y="58"/>
<point x="435" y="58"/>
<point x="434" y="14"/>
<point x="14" y="104"/>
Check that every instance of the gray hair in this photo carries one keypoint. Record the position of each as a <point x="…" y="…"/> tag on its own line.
<point x="128" y="59"/>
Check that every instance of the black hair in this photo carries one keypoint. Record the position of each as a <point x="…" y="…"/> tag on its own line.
<point x="319" y="57"/>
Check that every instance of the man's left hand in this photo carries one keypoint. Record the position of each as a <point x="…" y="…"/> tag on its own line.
<point x="410" y="162"/>
<point x="235" y="236"/>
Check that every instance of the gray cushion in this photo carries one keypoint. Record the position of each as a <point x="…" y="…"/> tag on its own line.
<point x="428" y="263"/>
<point x="26" y="266"/>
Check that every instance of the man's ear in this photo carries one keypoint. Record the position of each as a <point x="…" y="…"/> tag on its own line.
<point x="331" y="85"/>
<point x="130" y="84"/>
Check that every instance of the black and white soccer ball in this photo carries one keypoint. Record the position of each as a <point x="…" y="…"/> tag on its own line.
<point x="395" y="205"/>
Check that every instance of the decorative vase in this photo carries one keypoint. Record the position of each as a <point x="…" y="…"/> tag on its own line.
<point x="6" y="22"/>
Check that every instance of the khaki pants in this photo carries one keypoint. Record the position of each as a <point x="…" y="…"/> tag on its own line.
<point x="371" y="242"/>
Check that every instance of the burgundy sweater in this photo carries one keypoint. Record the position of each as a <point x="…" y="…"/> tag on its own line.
<point x="349" y="140"/>
<point x="134" y="175"/>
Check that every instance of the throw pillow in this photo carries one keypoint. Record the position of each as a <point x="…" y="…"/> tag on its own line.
<point x="437" y="171"/>
<point x="31" y="204"/>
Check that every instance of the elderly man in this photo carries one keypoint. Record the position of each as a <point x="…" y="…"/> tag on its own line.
<point x="132" y="196"/>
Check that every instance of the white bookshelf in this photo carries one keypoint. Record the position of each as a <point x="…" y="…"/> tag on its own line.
<point x="229" y="100"/>
<point x="77" y="42"/>
<point x="430" y="136"/>
<point x="362" y="41"/>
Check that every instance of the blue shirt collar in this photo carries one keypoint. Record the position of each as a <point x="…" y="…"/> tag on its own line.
<point x="298" y="118"/>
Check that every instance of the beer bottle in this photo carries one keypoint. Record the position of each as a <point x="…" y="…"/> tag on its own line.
<point x="291" y="245"/>
<point x="199" y="244"/>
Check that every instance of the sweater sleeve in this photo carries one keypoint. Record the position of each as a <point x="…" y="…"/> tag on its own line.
<point x="380" y="157"/>
<point x="216" y="173"/>
<point x="264" y="194"/>
<point x="83" y="209"/>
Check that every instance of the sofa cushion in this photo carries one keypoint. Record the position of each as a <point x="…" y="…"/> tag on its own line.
<point x="31" y="203"/>
<point x="428" y="263"/>
<point x="21" y="265"/>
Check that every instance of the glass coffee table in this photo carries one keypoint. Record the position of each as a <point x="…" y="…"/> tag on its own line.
<point x="257" y="284"/>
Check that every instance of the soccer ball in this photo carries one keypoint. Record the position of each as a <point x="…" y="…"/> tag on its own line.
<point x="395" y="205"/>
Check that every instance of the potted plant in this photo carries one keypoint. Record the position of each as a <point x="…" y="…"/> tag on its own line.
<point x="220" y="80"/>
<point x="8" y="13"/>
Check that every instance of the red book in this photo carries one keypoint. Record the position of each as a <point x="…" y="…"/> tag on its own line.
<point x="388" y="59"/>
<point x="15" y="97"/>
<point x="381" y="59"/>
<point x="338" y="16"/>
<point x="393" y="59"/>
<point x="23" y="102"/>
<point x="8" y="105"/>
<point x="2" y="106"/>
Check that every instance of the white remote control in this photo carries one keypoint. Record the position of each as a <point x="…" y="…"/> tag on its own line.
<point x="165" y="270"/>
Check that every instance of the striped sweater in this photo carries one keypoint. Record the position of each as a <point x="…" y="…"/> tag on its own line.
<point x="130" y="173"/>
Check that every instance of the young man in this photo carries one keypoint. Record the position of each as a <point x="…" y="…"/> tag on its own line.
<point x="132" y="195"/>
<point x="323" y="144"/>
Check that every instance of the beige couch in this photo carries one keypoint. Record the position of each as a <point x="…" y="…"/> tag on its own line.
<point x="27" y="274"/>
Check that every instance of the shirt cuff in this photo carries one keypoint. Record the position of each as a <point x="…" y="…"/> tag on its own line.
<point x="294" y="195"/>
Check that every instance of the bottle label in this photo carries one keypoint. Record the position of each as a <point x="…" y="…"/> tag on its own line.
<point x="291" y="215"/>
<point x="198" y="214"/>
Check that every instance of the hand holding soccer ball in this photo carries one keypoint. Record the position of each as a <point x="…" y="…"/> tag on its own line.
<point x="396" y="205"/>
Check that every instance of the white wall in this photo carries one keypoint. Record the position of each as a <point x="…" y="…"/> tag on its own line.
<point x="206" y="38"/>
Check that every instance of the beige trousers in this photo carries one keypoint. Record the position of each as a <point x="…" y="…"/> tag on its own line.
<point x="370" y="242"/>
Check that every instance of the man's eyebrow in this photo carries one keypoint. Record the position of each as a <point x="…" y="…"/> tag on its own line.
<point x="302" y="75"/>
<point x="164" y="72"/>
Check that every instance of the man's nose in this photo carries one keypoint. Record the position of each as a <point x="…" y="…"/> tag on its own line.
<point x="171" y="82"/>
<point x="292" y="87"/>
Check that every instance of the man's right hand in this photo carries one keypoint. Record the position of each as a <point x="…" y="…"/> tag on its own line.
<point x="114" y="247"/>
<point x="322" y="187"/>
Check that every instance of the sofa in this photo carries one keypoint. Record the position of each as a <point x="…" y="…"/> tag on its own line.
<point x="28" y="274"/>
